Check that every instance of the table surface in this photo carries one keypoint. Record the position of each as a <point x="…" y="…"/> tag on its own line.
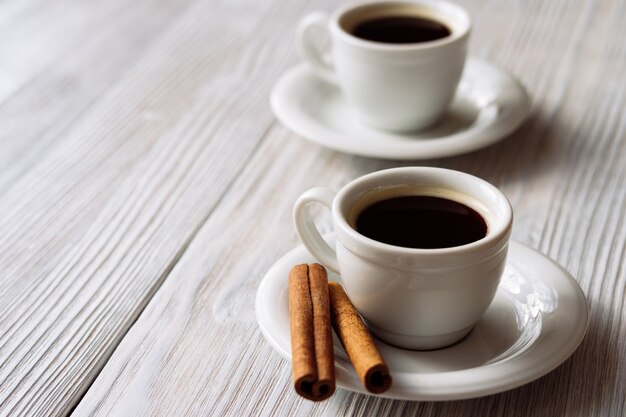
<point x="145" y="189"/>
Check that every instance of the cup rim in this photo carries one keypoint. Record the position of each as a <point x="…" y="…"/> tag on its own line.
<point x="498" y="235"/>
<point x="347" y="37"/>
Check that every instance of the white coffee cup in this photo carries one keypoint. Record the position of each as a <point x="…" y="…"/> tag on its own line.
<point x="412" y="298"/>
<point x="397" y="87"/>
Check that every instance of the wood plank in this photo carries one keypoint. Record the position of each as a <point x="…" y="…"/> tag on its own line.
<point x="196" y="349"/>
<point x="90" y="232"/>
<point x="59" y="95"/>
<point x="35" y="35"/>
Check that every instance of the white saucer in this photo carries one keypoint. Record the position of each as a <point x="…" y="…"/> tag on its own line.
<point x="536" y="321"/>
<point x="489" y="104"/>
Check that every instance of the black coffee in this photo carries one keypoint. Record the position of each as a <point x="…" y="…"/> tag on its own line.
<point x="400" y="29"/>
<point x="421" y="222"/>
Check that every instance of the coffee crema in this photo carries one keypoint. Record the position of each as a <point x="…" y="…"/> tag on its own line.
<point x="400" y="29"/>
<point x="421" y="222"/>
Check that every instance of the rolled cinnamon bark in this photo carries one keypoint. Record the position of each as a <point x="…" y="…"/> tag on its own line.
<point x="311" y="334"/>
<point x="324" y="387"/>
<point x="357" y="342"/>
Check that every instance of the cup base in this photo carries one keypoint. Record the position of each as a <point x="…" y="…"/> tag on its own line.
<point x="395" y="127"/>
<point x="420" y="342"/>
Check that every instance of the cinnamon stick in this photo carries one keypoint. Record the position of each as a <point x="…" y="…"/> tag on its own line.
<point x="311" y="334"/>
<point x="324" y="387"/>
<point x="357" y="342"/>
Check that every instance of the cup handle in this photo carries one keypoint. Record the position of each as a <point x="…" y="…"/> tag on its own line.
<point x="309" y="53"/>
<point x="308" y="233"/>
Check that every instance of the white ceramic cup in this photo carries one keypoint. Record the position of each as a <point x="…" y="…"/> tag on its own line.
<point x="397" y="87"/>
<point x="412" y="298"/>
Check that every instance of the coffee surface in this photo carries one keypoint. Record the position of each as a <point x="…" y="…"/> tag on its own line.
<point x="421" y="222"/>
<point x="400" y="29"/>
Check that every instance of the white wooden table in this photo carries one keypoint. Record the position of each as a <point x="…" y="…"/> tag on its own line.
<point x="145" y="188"/>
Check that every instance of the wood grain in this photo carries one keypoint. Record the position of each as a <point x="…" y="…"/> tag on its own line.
<point x="57" y="97"/>
<point x="145" y="190"/>
<point x="91" y="230"/>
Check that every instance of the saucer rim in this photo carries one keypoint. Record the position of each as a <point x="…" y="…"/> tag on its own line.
<point x="415" y="386"/>
<point x="516" y="106"/>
